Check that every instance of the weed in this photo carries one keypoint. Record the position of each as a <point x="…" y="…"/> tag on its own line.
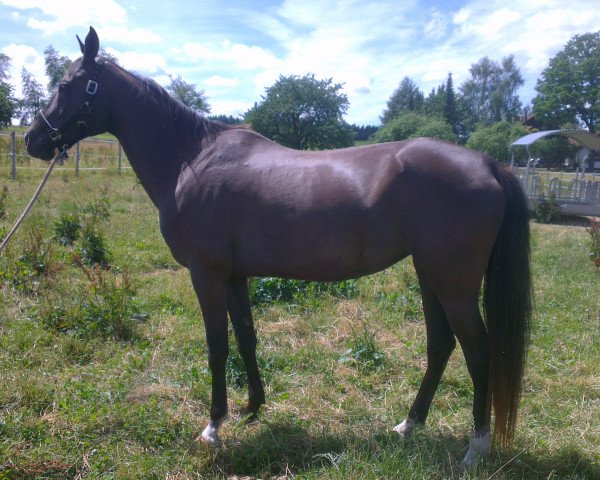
<point x="268" y="290"/>
<point x="363" y="351"/>
<point x="235" y="369"/>
<point x="93" y="249"/>
<point x="98" y="209"/>
<point x="3" y="197"/>
<point x="34" y="263"/>
<point x="594" y="231"/>
<point x="104" y="308"/>
<point x="67" y="228"/>
<point x="547" y="210"/>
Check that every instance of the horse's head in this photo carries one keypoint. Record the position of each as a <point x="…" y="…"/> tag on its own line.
<point x="74" y="111"/>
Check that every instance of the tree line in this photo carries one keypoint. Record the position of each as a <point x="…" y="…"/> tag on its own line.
<point x="305" y="112"/>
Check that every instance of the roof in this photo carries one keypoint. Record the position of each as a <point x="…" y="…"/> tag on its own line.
<point x="585" y="139"/>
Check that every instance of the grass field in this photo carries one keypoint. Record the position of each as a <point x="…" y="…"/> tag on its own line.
<point x="103" y="373"/>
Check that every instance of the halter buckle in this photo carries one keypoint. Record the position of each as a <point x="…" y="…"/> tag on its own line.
<point x="91" y="87"/>
<point x="55" y="134"/>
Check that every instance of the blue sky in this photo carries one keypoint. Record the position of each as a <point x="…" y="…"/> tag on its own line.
<point x="233" y="50"/>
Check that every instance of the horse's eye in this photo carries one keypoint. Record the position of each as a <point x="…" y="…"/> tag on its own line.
<point x="62" y="86"/>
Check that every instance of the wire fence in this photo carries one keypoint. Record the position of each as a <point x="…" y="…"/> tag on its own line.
<point x="85" y="156"/>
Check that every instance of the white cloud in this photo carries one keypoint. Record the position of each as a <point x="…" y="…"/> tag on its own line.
<point x="24" y="56"/>
<point x="51" y="16"/>
<point x="56" y="16"/>
<point x="146" y="63"/>
<point x="245" y="57"/>
<point x="229" y="107"/>
<point x="218" y="81"/>
<point x="127" y="35"/>
<point x="462" y="16"/>
<point x="436" y="27"/>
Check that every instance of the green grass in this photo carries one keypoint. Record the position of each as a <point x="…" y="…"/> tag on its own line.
<point x="339" y="371"/>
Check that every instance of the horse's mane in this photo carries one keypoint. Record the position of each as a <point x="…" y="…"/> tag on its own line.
<point x="205" y="128"/>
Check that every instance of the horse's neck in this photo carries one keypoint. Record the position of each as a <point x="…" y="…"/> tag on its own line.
<point x="154" y="142"/>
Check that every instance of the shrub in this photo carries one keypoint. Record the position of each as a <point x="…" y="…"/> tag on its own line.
<point x="3" y="197"/>
<point x="547" y="210"/>
<point x="412" y="125"/>
<point x="267" y="290"/>
<point x="93" y="249"/>
<point x="35" y="262"/>
<point x="105" y="307"/>
<point x="363" y="352"/>
<point x="98" y="209"/>
<point x="67" y="228"/>
<point x="594" y="231"/>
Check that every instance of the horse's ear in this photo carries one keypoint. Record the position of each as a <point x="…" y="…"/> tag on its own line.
<point x="81" y="45"/>
<point x="91" y="46"/>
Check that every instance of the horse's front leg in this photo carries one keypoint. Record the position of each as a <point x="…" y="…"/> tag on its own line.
<point x="211" y="289"/>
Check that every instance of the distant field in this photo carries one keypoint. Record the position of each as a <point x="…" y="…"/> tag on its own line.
<point x="103" y="373"/>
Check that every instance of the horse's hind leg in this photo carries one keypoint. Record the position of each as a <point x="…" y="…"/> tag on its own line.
<point x="466" y="322"/>
<point x="440" y="344"/>
<point x="238" y="304"/>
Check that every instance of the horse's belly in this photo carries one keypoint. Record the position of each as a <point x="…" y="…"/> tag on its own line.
<point x="328" y="252"/>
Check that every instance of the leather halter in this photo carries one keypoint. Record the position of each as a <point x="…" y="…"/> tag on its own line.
<point x="80" y="118"/>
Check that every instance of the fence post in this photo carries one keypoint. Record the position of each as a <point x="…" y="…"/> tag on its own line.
<point x="77" y="157"/>
<point x="13" y="155"/>
<point x="119" y="157"/>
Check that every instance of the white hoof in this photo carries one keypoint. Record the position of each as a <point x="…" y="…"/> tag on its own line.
<point x="210" y="434"/>
<point x="405" y="428"/>
<point x="479" y="447"/>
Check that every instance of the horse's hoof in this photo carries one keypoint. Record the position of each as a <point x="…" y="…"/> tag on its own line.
<point x="405" y="428"/>
<point x="479" y="447"/>
<point x="210" y="435"/>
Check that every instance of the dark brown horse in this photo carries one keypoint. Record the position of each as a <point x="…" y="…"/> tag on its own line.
<point x="233" y="205"/>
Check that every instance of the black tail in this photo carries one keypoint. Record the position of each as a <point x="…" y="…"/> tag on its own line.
<point x="507" y="305"/>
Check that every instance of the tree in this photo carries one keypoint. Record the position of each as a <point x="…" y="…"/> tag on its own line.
<point x="187" y="94"/>
<point x="228" y="119"/>
<point x="569" y="88"/>
<point x="7" y="101"/>
<point x="490" y="94"/>
<point x="56" y="66"/>
<point x="363" y="132"/>
<point x="407" y="97"/>
<point x="33" y="98"/>
<point x="495" y="140"/>
<point x="435" y="102"/>
<point x="443" y="103"/>
<point x="108" y="56"/>
<point x="303" y="113"/>
<point x="451" y="111"/>
<point x="413" y="125"/>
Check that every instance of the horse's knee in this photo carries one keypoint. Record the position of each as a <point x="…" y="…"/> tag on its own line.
<point x="439" y="349"/>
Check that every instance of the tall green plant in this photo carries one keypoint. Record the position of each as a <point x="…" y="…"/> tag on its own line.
<point x="3" y="198"/>
<point x="594" y="231"/>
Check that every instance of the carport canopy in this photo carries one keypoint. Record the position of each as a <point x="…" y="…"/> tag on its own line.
<point x="585" y="139"/>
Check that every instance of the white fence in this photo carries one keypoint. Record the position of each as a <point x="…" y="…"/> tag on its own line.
<point x="576" y="193"/>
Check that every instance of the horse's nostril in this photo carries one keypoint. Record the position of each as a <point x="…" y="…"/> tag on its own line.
<point x="26" y="138"/>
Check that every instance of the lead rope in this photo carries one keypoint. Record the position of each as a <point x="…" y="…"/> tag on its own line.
<point x="58" y="158"/>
